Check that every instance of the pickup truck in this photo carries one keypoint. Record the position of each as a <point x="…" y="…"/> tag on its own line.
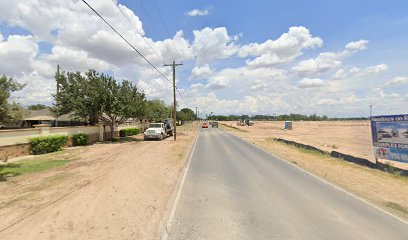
<point x="159" y="130"/>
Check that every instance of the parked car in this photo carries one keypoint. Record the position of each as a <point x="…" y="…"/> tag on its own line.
<point x="155" y="131"/>
<point x="215" y="124"/>
<point x="205" y="125"/>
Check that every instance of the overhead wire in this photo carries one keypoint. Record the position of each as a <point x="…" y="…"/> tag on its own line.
<point x="165" y="27"/>
<point x="124" y="39"/>
<point x="134" y="27"/>
<point x="134" y="48"/>
<point x="156" y="29"/>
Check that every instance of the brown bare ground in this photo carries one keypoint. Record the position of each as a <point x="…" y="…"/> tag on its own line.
<point x="107" y="191"/>
<point x="385" y="190"/>
<point x="348" y="137"/>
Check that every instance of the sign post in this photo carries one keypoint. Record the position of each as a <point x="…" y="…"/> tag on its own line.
<point x="390" y="137"/>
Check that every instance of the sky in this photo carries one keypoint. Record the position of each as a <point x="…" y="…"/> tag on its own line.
<point x="325" y="57"/>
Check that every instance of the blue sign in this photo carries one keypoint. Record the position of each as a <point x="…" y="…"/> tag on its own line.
<point x="390" y="137"/>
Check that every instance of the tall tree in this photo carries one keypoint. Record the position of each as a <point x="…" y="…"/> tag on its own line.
<point x="157" y="110"/>
<point x="96" y="97"/>
<point x="7" y="86"/>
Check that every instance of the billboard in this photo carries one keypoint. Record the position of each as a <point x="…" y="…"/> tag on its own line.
<point x="390" y="137"/>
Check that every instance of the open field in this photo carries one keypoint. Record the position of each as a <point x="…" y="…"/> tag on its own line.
<point x="103" y="191"/>
<point x="348" y="137"/>
<point x="388" y="191"/>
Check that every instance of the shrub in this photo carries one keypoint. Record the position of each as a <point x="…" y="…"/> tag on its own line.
<point x="40" y="145"/>
<point x="80" y="139"/>
<point x="129" y="132"/>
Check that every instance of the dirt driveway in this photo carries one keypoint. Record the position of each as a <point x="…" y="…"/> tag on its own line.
<point x="107" y="191"/>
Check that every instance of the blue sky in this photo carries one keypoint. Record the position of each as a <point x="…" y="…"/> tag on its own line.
<point x="328" y="57"/>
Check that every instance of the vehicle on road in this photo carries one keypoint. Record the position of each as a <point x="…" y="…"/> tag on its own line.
<point x="215" y="124"/>
<point x="159" y="130"/>
<point x="205" y="125"/>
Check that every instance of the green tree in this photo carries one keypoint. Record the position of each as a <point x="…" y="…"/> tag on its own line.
<point x="37" y="107"/>
<point x="157" y="110"/>
<point x="96" y="97"/>
<point x="7" y="86"/>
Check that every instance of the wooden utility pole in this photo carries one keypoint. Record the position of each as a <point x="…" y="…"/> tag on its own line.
<point x="174" y="64"/>
<point x="58" y="89"/>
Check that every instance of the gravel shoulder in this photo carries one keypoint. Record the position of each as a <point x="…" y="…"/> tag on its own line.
<point x="106" y="191"/>
<point x="385" y="190"/>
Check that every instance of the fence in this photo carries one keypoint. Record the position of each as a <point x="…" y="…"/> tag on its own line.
<point x="14" y="143"/>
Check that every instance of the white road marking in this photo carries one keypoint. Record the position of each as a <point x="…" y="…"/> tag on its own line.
<point x="323" y="180"/>
<point x="176" y="201"/>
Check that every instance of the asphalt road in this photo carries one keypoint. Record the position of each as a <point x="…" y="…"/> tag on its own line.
<point x="233" y="190"/>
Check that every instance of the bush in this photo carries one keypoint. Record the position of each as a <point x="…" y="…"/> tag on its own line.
<point x="40" y="145"/>
<point x="129" y="132"/>
<point x="80" y="139"/>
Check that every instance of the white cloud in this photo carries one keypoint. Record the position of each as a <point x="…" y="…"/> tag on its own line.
<point x="310" y="83"/>
<point x="397" y="81"/>
<point x="197" y="12"/>
<point x="211" y="44"/>
<point x="217" y="83"/>
<point x="202" y="72"/>
<point x="325" y="61"/>
<point x="282" y="50"/>
<point x="328" y="60"/>
<point x="357" y="45"/>
<point x="17" y="54"/>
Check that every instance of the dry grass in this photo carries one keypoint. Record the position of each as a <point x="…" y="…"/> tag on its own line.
<point x="385" y="190"/>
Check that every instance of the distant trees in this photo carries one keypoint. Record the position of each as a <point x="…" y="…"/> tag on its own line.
<point x="186" y="114"/>
<point x="94" y="96"/>
<point x="9" y="112"/>
<point x="284" y="117"/>
<point x="37" y="107"/>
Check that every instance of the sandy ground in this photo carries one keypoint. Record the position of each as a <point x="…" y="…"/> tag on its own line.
<point x="108" y="191"/>
<point x="348" y="137"/>
<point x="387" y="191"/>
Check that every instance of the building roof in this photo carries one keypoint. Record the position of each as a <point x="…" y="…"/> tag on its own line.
<point x="44" y="115"/>
<point x="39" y="118"/>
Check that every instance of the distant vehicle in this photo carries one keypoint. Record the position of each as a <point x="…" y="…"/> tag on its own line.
<point x="245" y="122"/>
<point x="215" y="124"/>
<point x="159" y="130"/>
<point x="205" y="125"/>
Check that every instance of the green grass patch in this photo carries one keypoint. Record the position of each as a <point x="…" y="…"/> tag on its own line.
<point x="28" y="166"/>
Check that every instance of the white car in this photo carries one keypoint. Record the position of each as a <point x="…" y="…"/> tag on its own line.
<point x="155" y="131"/>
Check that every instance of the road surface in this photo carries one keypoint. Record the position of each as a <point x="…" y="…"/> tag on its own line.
<point x="233" y="190"/>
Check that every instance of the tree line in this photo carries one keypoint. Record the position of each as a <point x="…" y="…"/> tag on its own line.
<point x="283" y="117"/>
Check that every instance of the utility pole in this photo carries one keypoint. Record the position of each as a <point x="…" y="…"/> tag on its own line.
<point x="371" y="110"/>
<point x="196" y="112"/>
<point x="58" y="89"/>
<point x="174" y="64"/>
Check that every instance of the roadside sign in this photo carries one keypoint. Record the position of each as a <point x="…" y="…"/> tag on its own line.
<point x="390" y="137"/>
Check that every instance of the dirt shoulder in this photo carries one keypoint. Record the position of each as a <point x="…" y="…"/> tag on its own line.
<point x="387" y="191"/>
<point x="106" y="191"/>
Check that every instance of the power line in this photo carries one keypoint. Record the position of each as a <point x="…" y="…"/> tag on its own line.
<point x="134" y="27"/>
<point x="156" y="29"/>
<point x="165" y="27"/>
<point x="124" y="39"/>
